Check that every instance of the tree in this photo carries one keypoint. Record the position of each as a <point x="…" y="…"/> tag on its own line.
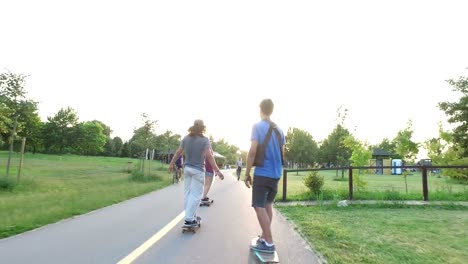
<point x="32" y="131"/>
<point x="227" y="150"/>
<point x="361" y="154"/>
<point x="389" y="146"/>
<point x="106" y="130"/>
<point x="332" y="150"/>
<point x="57" y="133"/>
<point x="442" y="150"/>
<point x="108" y="149"/>
<point x="167" y="142"/>
<point x="15" y="106"/>
<point x="4" y="119"/>
<point x="117" y="146"/>
<point x="12" y="93"/>
<point x="301" y="148"/>
<point x="458" y="113"/>
<point x="144" y="137"/>
<point x="12" y="90"/>
<point x="89" y="138"/>
<point x="125" y="150"/>
<point x="406" y="148"/>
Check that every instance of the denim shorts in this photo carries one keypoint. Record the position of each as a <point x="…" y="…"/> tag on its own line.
<point x="209" y="174"/>
<point x="264" y="190"/>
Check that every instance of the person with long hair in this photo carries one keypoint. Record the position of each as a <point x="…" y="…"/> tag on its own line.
<point x="196" y="147"/>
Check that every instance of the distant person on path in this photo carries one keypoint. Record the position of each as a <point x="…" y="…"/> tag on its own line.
<point x="239" y="168"/>
<point x="209" y="177"/>
<point x="266" y="178"/>
<point x="196" y="148"/>
<point x="179" y="163"/>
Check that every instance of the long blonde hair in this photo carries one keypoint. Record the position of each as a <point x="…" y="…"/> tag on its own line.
<point x="198" y="128"/>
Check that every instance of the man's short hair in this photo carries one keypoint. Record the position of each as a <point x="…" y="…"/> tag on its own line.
<point x="266" y="106"/>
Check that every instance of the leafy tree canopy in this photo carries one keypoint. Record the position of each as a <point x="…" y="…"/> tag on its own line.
<point x="301" y="148"/>
<point x="458" y="113"/>
<point x="404" y="146"/>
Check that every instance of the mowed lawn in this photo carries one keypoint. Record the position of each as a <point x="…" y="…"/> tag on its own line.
<point x="384" y="234"/>
<point x="57" y="187"/>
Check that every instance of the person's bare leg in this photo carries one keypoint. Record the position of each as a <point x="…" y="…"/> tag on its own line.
<point x="265" y="223"/>
<point x="269" y="211"/>
<point x="208" y="182"/>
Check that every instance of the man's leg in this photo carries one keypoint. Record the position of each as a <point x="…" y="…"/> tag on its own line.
<point x="265" y="217"/>
<point x="262" y="206"/>
<point x="208" y="182"/>
<point x="179" y="174"/>
<point x="187" y="183"/>
<point x="195" y="194"/>
<point x="265" y="223"/>
<point x="269" y="210"/>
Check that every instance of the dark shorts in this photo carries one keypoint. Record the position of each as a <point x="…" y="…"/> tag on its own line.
<point x="179" y="166"/>
<point x="264" y="190"/>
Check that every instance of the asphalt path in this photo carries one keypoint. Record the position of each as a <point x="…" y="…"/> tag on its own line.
<point x="147" y="229"/>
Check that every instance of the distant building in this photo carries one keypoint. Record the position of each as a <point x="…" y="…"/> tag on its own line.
<point x="381" y="158"/>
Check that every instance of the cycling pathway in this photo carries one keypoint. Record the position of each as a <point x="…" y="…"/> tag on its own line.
<point x="147" y="229"/>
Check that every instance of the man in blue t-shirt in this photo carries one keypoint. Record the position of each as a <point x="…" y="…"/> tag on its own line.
<point x="266" y="178"/>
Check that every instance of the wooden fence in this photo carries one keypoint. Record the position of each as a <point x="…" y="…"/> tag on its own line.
<point x="424" y="170"/>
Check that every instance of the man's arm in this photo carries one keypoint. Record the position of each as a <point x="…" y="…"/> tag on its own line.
<point x="249" y="162"/>
<point x="212" y="161"/>
<point x="177" y="154"/>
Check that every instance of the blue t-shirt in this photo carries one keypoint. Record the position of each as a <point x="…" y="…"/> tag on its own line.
<point x="272" y="166"/>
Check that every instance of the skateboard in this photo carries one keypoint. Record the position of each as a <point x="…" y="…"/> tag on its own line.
<point x="263" y="256"/>
<point x="191" y="228"/>
<point x="207" y="203"/>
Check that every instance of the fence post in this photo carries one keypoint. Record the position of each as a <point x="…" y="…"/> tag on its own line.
<point x="285" y="184"/>
<point x="424" y="184"/>
<point x="350" y="176"/>
<point x="23" y="145"/>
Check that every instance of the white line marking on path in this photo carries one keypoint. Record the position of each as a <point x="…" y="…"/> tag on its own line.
<point x="148" y="243"/>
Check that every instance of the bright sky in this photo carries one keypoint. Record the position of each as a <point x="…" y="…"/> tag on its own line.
<point x="385" y="61"/>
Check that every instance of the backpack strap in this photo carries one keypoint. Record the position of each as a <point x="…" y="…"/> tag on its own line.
<point x="274" y="127"/>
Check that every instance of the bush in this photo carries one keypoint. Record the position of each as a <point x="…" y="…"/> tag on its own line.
<point x="140" y="177"/>
<point x="7" y="184"/>
<point x="460" y="175"/>
<point x="314" y="182"/>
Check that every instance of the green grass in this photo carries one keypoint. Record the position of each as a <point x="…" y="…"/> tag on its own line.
<point x="379" y="187"/>
<point x="57" y="187"/>
<point x="384" y="234"/>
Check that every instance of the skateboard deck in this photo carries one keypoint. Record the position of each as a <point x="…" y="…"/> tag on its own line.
<point x="191" y="228"/>
<point x="263" y="256"/>
<point x="208" y="203"/>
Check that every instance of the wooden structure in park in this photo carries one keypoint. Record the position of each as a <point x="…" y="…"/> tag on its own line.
<point x="381" y="158"/>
